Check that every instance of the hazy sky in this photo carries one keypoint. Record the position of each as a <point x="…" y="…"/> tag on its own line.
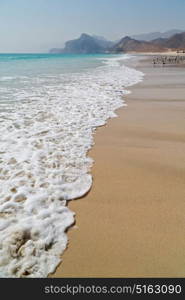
<point x="38" y="25"/>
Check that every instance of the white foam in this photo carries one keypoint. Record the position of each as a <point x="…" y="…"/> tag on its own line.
<point x="43" y="161"/>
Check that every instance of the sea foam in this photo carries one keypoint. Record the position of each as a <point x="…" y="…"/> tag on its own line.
<point x="45" y="138"/>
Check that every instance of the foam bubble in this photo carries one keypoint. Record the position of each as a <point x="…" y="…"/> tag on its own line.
<point x="43" y="161"/>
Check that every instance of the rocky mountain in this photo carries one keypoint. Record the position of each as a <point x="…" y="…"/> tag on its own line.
<point x="128" y="44"/>
<point x="86" y="44"/>
<point x="177" y="41"/>
<point x="103" y="42"/>
<point x="156" y="35"/>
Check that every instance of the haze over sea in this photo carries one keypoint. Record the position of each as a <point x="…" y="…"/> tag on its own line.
<point x="50" y="106"/>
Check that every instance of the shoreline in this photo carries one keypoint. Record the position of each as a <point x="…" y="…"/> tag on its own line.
<point x="125" y="227"/>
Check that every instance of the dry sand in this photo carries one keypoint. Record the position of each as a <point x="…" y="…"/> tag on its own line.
<point x="132" y="223"/>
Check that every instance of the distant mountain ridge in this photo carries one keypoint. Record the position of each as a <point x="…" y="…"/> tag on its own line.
<point x="128" y="44"/>
<point x="87" y="44"/>
<point x="103" y="42"/>
<point x="177" y="41"/>
<point x="156" y="35"/>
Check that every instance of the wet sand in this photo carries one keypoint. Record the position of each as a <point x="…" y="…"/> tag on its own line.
<point x="132" y="223"/>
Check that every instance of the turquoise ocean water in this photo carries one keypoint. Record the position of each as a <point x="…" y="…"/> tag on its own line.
<point x="36" y="64"/>
<point x="23" y="72"/>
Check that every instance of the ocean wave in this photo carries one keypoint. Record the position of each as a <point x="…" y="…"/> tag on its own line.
<point x="43" y="161"/>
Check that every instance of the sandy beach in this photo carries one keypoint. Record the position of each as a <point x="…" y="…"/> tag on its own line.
<point x="132" y="222"/>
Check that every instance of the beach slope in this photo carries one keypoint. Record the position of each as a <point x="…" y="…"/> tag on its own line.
<point x="132" y="222"/>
